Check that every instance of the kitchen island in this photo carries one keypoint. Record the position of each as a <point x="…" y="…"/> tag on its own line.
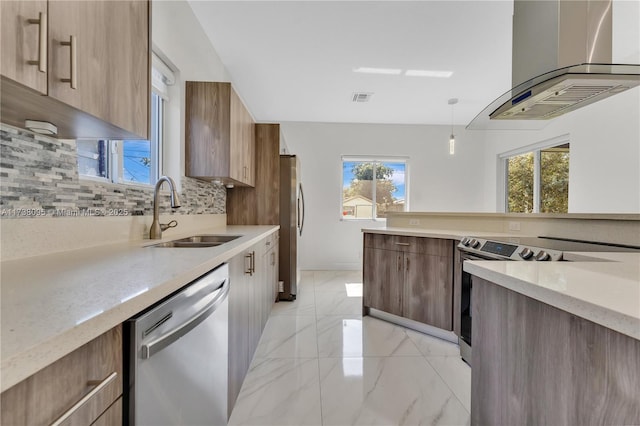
<point x="556" y="342"/>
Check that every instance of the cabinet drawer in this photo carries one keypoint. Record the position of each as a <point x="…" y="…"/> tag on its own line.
<point x="91" y="373"/>
<point x="421" y="245"/>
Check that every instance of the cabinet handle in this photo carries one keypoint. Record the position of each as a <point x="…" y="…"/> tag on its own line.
<point x="402" y="244"/>
<point x="248" y="271"/>
<point x="244" y="172"/>
<point x="42" y="41"/>
<point x="253" y="262"/>
<point x="73" y="55"/>
<point x="399" y="263"/>
<point x="406" y="261"/>
<point x="99" y="385"/>
<point x="273" y="258"/>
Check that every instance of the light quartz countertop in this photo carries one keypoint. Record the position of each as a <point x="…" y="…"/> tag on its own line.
<point x="601" y="287"/>
<point x="55" y="303"/>
<point x="448" y="234"/>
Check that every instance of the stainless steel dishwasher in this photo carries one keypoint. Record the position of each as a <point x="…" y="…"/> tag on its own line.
<point x="177" y="368"/>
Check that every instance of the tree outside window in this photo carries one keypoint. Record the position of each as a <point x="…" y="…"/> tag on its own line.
<point x="372" y="188"/>
<point x="538" y="181"/>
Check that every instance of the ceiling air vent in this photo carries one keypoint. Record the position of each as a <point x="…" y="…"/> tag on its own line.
<point x="361" y="96"/>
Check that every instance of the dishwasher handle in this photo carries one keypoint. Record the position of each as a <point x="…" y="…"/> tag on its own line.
<point x="154" y="346"/>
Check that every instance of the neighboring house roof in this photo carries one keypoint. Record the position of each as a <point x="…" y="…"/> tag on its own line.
<point x="358" y="199"/>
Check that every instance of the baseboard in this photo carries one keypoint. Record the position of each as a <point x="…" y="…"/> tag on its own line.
<point x="415" y="325"/>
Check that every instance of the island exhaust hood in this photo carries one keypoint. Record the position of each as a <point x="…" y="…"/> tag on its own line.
<point x="562" y="54"/>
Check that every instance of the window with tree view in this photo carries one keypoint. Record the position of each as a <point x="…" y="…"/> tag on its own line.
<point x="371" y="188"/>
<point x="538" y="181"/>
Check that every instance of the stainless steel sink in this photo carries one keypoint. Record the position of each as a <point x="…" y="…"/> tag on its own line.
<point x="197" y="241"/>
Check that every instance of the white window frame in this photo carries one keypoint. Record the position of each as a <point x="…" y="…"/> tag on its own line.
<point x="372" y="159"/>
<point x="155" y="171"/>
<point x="503" y="174"/>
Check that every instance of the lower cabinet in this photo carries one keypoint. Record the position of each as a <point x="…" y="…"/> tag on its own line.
<point x="270" y="266"/>
<point x="536" y="364"/>
<point x="251" y="297"/>
<point x="411" y="277"/>
<point x="81" y="388"/>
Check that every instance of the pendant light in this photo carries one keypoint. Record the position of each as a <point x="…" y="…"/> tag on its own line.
<point x="452" y="138"/>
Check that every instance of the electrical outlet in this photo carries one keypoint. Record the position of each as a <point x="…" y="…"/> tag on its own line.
<point x="414" y="222"/>
<point x="281" y="286"/>
<point x="514" y="226"/>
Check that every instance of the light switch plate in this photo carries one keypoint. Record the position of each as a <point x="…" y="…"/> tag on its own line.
<point x="514" y="226"/>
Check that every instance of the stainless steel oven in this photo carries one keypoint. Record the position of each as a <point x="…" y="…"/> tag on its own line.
<point x="465" y="307"/>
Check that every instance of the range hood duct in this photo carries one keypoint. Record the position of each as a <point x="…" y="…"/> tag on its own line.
<point x="562" y="61"/>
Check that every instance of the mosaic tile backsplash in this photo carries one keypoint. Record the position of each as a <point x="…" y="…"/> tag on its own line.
<point x="39" y="177"/>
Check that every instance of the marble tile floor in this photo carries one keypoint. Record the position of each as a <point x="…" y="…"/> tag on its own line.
<point x="319" y="362"/>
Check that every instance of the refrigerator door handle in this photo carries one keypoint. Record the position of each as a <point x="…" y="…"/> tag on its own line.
<point x="301" y="210"/>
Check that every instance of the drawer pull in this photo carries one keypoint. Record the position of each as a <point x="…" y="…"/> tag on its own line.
<point x="402" y="244"/>
<point x="99" y="385"/>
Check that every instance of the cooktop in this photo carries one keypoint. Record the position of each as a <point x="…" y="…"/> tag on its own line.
<point x="534" y="248"/>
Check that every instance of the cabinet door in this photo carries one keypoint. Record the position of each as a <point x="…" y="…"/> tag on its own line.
<point x="21" y="43"/>
<point x="428" y="290"/>
<point x="238" y="327"/>
<point x="110" y="63"/>
<point x="383" y="280"/>
<point x="207" y="129"/>
<point x="242" y="149"/>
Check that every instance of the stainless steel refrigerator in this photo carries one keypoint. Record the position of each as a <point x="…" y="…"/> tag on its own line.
<point x="291" y="224"/>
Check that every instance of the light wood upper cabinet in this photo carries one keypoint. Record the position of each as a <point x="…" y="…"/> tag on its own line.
<point x="97" y="76"/>
<point x="220" y="137"/>
<point x="21" y="42"/>
<point x="111" y="59"/>
<point x="93" y="371"/>
<point x="259" y="205"/>
<point x="410" y="277"/>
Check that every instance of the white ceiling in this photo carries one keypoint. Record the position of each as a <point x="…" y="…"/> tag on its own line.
<point x="294" y="60"/>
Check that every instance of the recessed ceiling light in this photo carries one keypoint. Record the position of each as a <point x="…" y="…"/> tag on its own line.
<point x="428" y="73"/>
<point x="389" y="71"/>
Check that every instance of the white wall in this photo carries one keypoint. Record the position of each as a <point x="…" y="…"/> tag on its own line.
<point x="179" y="39"/>
<point x="605" y="148"/>
<point x="604" y="165"/>
<point x="438" y="181"/>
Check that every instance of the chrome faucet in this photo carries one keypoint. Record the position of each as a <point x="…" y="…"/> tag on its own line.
<point x="155" y="233"/>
